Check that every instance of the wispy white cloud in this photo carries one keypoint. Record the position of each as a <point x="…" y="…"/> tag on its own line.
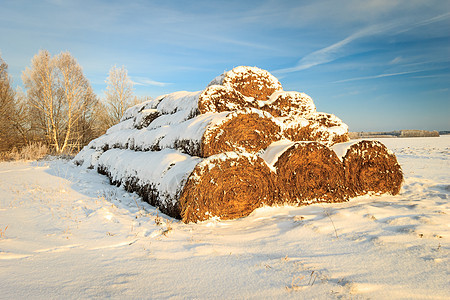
<point x="425" y="22"/>
<point x="378" y="76"/>
<point x="142" y="81"/>
<point x="341" y="49"/>
<point x="334" y="51"/>
<point x="396" y="60"/>
<point x="431" y="76"/>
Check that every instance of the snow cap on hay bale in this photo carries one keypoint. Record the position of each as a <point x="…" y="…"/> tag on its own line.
<point x="179" y="106"/>
<point x="219" y="98"/>
<point x="249" y="130"/>
<point x="299" y="129"/>
<point x="320" y="127"/>
<point x="145" y="117"/>
<point x="310" y="172"/>
<point x="332" y="129"/>
<point x="250" y="82"/>
<point x="176" y="107"/>
<point x="136" y="109"/>
<point x="228" y="186"/>
<point x="326" y="119"/>
<point x="288" y="104"/>
<point x="371" y="167"/>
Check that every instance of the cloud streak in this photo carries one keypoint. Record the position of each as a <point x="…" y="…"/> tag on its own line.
<point x="334" y="51"/>
<point x="379" y="76"/>
<point x="341" y="49"/>
<point x="142" y="81"/>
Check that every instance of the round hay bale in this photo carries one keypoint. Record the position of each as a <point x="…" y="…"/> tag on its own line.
<point x="250" y="82"/>
<point x="325" y="119"/>
<point x="289" y="104"/>
<point x="219" y="98"/>
<point x="299" y="129"/>
<point x="371" y="167"/>
<point x="248" y="130"/>
<point x="145" y="117"/>
<point x="328" y="129"/>
<point x="228" y="186"/>
<point x="319" y="127"/>
<point x="310" y="172"/>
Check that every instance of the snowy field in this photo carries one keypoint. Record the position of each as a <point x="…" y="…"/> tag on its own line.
<point x="66" y="233"/>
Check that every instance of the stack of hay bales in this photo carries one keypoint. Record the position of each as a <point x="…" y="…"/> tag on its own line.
<point x="240" y="143"/>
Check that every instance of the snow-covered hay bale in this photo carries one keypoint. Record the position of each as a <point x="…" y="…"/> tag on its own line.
<point x="250" y="82"/>
<point x="310" y="172"/>
<point x="330" y="128"/>
<point x="133" y="111"/>
<point x="371" y="167"/>
<point x="228" y="186"/>
<point x="179" y="106"/>
<point x="247" y="130"/>
<point x="288" y="104"/>
<point x="219" y="98"/>
<point x="300" y="129"/>
<point x="157" y="176"/>
<point x="145" y="117"/>
<point x="320" y="127"/>
<point x="87" y="157"/>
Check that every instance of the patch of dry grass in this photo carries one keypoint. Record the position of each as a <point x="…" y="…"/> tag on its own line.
<point x="33" y="151"/>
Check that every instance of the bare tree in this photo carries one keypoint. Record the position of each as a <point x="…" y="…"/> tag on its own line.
<point x="39" y="81"/>
<point x="119" y="94"/>
<point x="11" y="131"/>
<point x="77" y="97"/>
<point x="60" y="99"/>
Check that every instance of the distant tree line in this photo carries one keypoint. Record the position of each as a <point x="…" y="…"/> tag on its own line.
<point x="58" y="106"/>
<point x="396" y="133"/>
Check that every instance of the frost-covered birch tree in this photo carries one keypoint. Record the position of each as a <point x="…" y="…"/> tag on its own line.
<point x="60" y="98"/>
<point x="119" y="94"/>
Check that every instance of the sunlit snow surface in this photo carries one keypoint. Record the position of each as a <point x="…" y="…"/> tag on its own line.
<point x="66" y="233"/>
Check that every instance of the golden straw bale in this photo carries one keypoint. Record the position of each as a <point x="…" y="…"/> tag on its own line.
<point x="310" y="172"/>
<point x="249" y="130"/>
<point x="219" y="98"/>
<point x="371" y="167"/>
<point x="228" y="186"/>
<point x="288" y="104"/>
<point x="250" y="82"/>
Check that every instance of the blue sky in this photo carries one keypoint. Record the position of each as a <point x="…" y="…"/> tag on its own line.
<point x="378" y="65"/>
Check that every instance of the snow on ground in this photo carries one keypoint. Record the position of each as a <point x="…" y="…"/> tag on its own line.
<point x="66" y="233"/>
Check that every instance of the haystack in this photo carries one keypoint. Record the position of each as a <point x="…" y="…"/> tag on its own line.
<point x="371" y="167"/>
<point x="133" y="111"/>
<point x="249" y="130"/>
<point x="240" y="143"/>
<point x="227" y="186"/>
<point x="300" y="129"/>
<point x="250" y="82"/>
<point x="288" y="104"/>
<point x="310" y="172"/>
<point x="317" y="126"/>
<point x="157" y="176"/>
<point x="218" y="98"/>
